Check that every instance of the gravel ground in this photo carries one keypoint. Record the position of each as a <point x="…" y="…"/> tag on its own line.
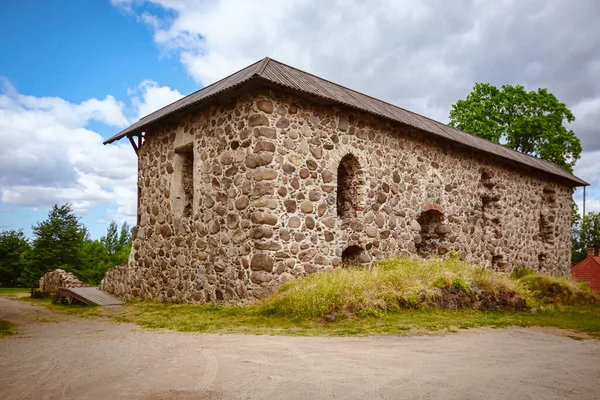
<point x="77" y="358"/>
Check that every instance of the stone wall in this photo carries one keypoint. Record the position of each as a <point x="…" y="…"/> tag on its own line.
<point x="282" y="187"/>
<point x="51" y="281"/>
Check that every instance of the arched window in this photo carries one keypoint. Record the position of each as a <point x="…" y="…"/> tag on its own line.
<point x="348" y="186"/>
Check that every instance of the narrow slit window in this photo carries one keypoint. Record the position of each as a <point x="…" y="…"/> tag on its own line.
<point x="184" y="181"/>
<point x="348" y="186"/>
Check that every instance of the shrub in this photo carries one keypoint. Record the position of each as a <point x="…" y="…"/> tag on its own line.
<point x="544" y="289"/>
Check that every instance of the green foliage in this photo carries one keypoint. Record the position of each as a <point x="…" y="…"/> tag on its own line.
<point x="586" y="234"/>
<point x="13" y="245"/>
<point x="61" y="241"/>
<point x="530" y="122"/>
<point x="521" y="271"/>
<point x="56" y="244"/>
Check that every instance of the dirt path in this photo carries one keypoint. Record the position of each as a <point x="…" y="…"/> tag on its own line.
<point x="95" y="359"/>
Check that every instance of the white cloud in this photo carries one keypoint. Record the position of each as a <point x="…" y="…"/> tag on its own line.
<point x="47" y="155"/>
<point x="419" y="55"/>
<point x="590" y="206"/>
<point x="588" y="167"/>
<point x="149" y="97"/>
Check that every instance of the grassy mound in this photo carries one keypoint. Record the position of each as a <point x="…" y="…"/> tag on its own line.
<point x="544" y="290"/>
<point x="402" y="283"/>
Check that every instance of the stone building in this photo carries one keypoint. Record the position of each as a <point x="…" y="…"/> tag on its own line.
<point x="273" y="173"/>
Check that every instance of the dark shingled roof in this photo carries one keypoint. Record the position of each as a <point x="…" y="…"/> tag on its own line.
<point x="275" y="73"/>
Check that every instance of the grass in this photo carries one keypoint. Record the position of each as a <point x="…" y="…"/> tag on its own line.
<point x="253" y="320"/>
<point x="23" y="294"/>
<point x="7" y="328"/>
<point x="395" y="297"/>
<point x="392" y="285"/>
<point x="79" y="310"/>
<point x="400" y="284"/>
<point x="13" y="291"/>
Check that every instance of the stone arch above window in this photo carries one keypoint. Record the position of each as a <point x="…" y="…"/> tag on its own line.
<point x="349" y="187"/>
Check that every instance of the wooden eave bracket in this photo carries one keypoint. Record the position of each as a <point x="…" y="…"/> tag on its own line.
<point x="140" y="141"/>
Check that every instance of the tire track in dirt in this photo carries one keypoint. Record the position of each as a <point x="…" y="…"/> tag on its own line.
<point x="323" y="384"/>
<point x="273" y="382"/>
<point x="106" y="366"/>
<point x="371" y="379"/>
<point x="212" y="365"/>
<point x="46" y="376"/>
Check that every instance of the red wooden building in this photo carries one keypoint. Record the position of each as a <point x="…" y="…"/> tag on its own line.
<point x="588" y="270"/>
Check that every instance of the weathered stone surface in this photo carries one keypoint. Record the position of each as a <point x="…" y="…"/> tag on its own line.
<point x="264" y="146"/>
<point x="265" y="106"/>
<point x="261" y="262"/>
<point x="415" y="226"/>
<point x="260" y="277"/>
<point x="282" y="123"/>
<point x="306" y="207"/>
<point x="258" y="160"/>
<point x="241" y="203"/>
<point x="257" y="120"/>
<point x="290" y="205"/>
<point x="327" y="176"/>
<point x="265" y="174"/>
<point x="264" y="218"/>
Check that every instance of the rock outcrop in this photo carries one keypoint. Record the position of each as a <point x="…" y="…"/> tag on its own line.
<point x="51" y="281"/>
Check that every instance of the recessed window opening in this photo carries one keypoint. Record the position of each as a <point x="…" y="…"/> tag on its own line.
<point x="184" y="180"/>
<point x="432" y="232"/>
<point x="348" y="186"/>
<point x="352" y="256"/>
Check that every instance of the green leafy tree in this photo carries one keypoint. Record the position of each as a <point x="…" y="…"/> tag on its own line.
<point x="586" y="234"/>
<point x="95" y="260"/>
<point x="112" y="249"/>
<point x="111" y="239"/>
<point x="530" y="122"/>
<point x="13" y="246"/>
<point x="57" y="243"/>
<point x="125" y="238"/>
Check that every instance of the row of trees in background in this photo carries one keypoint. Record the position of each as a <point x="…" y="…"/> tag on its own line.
<point x="61" y="241"/>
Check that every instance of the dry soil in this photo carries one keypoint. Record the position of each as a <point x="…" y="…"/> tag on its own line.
<point x="77" y="358"/>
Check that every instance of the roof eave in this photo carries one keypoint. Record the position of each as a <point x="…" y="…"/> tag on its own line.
<point x="257" y="71"/>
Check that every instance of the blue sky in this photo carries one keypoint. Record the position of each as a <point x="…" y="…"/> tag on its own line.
<point x="77" y="50"/>
<point x="75" y="72"/>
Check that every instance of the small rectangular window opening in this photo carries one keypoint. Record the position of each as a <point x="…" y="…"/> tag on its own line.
<point x="184" y="180"/>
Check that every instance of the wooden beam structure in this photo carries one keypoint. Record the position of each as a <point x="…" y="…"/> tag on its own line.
<point x="85" y="295"/>
<point x="138" y="142"/>
<point x="133" y="144"/>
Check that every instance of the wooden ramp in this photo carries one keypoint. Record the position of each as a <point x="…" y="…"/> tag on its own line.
<point x="87" y="295"/>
